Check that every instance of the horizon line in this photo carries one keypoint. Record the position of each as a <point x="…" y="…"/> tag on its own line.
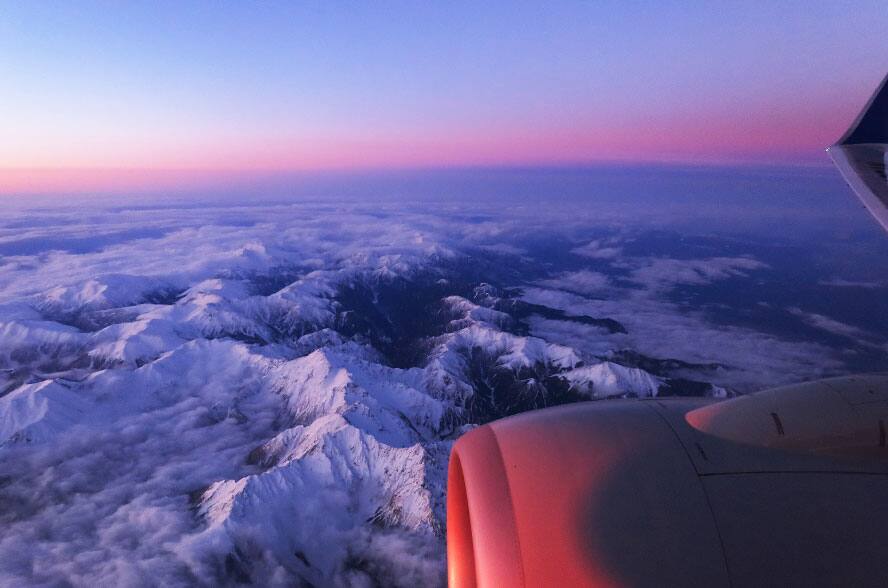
<point x="21" y="182"/>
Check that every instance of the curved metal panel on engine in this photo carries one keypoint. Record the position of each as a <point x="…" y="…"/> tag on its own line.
<point x="598" y="494"/>
<point x="806" y="529"/>
<point x="836" y="424"/>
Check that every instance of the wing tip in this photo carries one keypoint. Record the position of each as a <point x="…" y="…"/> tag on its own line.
<point x="871" y="124"/>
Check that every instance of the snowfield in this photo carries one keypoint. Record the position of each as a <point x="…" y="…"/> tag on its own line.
<point x="268" y="394"/>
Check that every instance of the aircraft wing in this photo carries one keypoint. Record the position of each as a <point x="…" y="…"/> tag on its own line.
<point x="861" y="155"/>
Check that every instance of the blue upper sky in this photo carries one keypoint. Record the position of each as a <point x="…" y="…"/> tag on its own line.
<point x="283" y="86"/>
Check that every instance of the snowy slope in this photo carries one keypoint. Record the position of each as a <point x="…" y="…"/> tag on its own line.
<point x="267" y="403"/>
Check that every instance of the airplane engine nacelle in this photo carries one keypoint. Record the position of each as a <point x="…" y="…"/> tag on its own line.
<point x="783" y="487"/>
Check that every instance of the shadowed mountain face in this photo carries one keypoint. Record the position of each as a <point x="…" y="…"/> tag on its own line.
<point x="267" y="393"/>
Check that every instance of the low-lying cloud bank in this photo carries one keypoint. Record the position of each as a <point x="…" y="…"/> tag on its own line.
<point x="268" y="394"/>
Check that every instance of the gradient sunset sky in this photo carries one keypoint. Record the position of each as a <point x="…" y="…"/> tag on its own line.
<point x="106" y="95"/>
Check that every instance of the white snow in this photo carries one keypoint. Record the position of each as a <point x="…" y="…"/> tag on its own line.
<point x="607" y="379"/>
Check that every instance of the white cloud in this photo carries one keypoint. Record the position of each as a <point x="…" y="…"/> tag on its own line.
<point x="751" y="359"/>
<point x="660" y="273"/>
<point x="831" y="325"/>
<point x="598" y="249"/>
<point x="581" y="282"/>
<point x="842" y="283"/>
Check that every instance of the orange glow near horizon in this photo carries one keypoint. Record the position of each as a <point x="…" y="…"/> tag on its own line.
<point x="194" y="166"/>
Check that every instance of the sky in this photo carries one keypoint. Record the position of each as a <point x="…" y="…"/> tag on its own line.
<point x="108" y="95"/>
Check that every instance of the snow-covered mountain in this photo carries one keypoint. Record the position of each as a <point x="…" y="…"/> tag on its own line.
<point x="344" y="452"/>
<point x="274" y="402"/>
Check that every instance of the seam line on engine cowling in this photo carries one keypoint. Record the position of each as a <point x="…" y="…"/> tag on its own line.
<point x="517" y="537"/>
<point x="721" y="541"/>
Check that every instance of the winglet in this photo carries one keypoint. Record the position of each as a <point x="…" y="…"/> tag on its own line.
<point x="860" y="154"/>
<point x="871" y="125"/>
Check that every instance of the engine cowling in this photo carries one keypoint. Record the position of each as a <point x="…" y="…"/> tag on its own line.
<point x="677" y="492"/>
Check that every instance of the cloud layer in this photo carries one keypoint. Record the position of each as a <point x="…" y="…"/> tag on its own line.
<point x="219" y="394"/>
